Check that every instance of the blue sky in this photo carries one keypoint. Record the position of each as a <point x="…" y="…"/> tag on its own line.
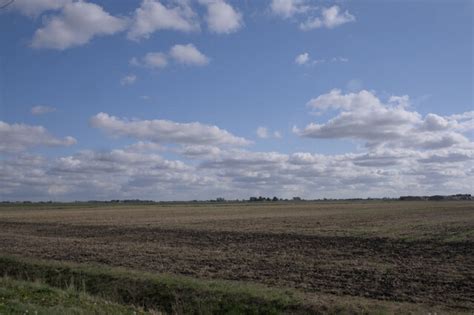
<point x="329" y="82"/>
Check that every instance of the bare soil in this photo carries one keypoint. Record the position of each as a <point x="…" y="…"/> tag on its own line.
<point x="432" y="265"/>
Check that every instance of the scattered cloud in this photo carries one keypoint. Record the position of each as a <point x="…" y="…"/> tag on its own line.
<point x="16" y="138"/>
<point x="305" y="12"/>
<point x="221" y="17"/>
<point x="330" y="18"/>
<point x="339" y="59"/>
<point x="77" y="23"/>
<point x="363" y="116"/>
<point x="165" y="131"/>
<point x="41" y="109"/>
<point x="128" y="79"/>
<point x="135" y="172"/>
<point x="153" y="16"/>
<point x="184" y="54"/>
<point x="305" y="59"/>
<point x="302" y="59"/>
<point x="35" y="8"/>
<point x="221" y="168"/>
<point x="151" y="60"/>
<point x="288" y="8"/>
<point x="264" y="133"/>
<point x="188" y="55"/>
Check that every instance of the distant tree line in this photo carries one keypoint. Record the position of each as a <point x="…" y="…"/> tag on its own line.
<point x="438" y="197"/>
<point x="254" y="199"/>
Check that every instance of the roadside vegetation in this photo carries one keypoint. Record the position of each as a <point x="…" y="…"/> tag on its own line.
<point x="23" y="297"/>
<point x="47" y="287"/>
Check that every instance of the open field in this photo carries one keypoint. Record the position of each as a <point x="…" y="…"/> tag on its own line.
<point x="417" y="254"/>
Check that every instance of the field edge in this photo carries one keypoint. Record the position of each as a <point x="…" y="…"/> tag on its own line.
<point x="176" y="294"/>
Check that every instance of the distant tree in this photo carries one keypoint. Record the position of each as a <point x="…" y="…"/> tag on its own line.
<point x="275" y="198"/>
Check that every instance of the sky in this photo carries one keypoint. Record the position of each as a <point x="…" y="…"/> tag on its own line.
<point x="199" y="99"/>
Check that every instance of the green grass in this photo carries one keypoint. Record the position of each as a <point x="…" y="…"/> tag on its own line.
<point x="21" y="297"/>
<point x="166" y="293"/>
<point x="50" y="287"/>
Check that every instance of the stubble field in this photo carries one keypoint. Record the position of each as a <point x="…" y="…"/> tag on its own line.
<point x="418" y="253"/>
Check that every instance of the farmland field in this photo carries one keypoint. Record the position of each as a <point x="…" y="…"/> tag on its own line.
<point x="402" y="255"/>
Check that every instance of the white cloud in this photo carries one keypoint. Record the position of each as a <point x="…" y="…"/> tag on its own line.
<point x="330" y="18"/>
<point x="119" y="173"/>
<point x="340" y="59"/>
<point x="365" y="117"/>
<point x="152" y="16"/>
<point x="188" y="55"/>
<point x="184" y="54"/>
<point x="262" y="132"/>
<point x="305" y="59"/>
<point x="36" y="7"/>
<point x="302" y="59"/>
<point x="41" y="109"/>
<point x="138" y="172"/>
<point x="20" y="137"/>
<point x="165" y="131"/>
<point x="462" y="122"/>
<point x="288" y="8"/>
<point x="76" y="25"/>
<point x="221" y="17"/>
<point x="128" y="79"/>
<point x="151" y="60"/>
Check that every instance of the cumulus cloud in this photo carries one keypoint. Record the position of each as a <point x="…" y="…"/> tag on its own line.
<point x="20" y="137"/>
<point x="221" y="17"/>
<point x="138" y="172"/>
<point x="35" y="8"/>
<point x="151" y="60"/>
<point x="302" y="59"/>
<point x="379" y="173"/>
<point x="119" y="173"/>
<point x="153" y="16"/>
<point x="188" y="55"/>
<point x="264" y="133"/>
<point x="363" y="116"/>
<point x="183" y="54"/>
<point x="76" y="25"/>
<point x="128" y="79"/>
<point x="165" y="131"/>
<point x="330" y="18"/>
<point x="288" y="8"/>
<point x="310" y="16"/>
<point x="41" y="109"/>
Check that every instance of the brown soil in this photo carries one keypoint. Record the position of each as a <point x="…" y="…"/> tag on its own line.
<point x="428" y="271"/>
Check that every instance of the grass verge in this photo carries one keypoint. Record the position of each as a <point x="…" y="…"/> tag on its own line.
<point x="21" y="297"/>
<point x="170" y="294"/>
<point x="136" y="292"/>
